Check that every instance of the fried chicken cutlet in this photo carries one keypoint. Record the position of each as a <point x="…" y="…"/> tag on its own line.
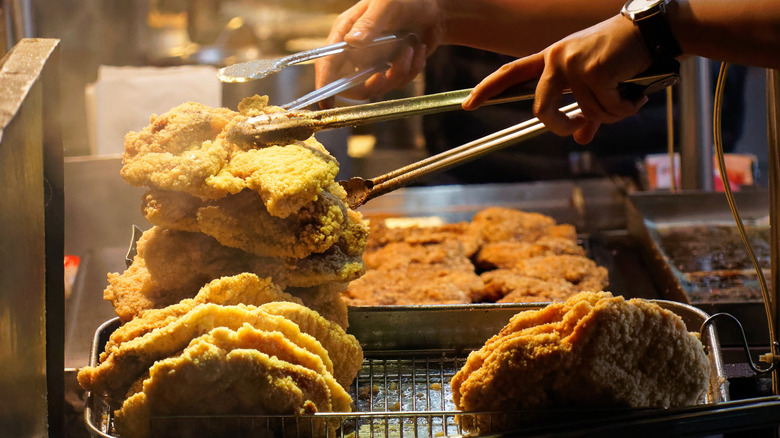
<point x="403" y="274"/>
<point x="507" y="286"/>
<point x="580" y="271"/>
<point x="187" y="149"/>
<point x="496" y="224"/>
<point x="173" y="265"/>
<point x="121" y="366"/>
<point x="593" y="350"/>
<point x="228" y="372"/>
<point x="506" y="254"/>
<point x="242" y="221"/>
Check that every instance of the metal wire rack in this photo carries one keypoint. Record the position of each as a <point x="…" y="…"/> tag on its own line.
<point x="403" y="387"/>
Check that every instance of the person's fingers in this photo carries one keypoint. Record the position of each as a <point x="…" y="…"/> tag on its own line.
<point x="547" y="101"/>
<point x="586" y="132"/>
<point x="369" y="25"/>
<point x="509" y="74"/>
<point x="417" y="64"/>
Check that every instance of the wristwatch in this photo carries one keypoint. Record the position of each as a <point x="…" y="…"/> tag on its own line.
<point x="650" y="17"/>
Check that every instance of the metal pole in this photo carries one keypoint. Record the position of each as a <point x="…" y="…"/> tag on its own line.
<point x="773" y="137"/>
<point x="695" y="125"/>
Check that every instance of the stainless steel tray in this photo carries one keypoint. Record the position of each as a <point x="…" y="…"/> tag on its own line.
<point x="693" y="251"/>
<point x="403" y="388"/>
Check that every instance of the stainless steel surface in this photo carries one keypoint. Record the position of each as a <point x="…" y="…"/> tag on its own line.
<point x="773" y="134"/>
<point x="695" y="125"/>
<point x="359" y="190"/>
<point x="412" y="352"/>
<point x="591" y="205"/>
<point x="31" y="259"/>
<point x="258" y="69"/>
<point x="651" y="215"/>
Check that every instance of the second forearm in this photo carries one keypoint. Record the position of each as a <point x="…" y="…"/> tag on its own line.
<point x="743" y="32"/>
<point x="519" y="27"/>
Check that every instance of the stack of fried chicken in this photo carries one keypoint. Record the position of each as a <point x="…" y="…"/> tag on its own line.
<point x="593" y="350"/>
<point x="502" y="255"/>
<point x="232" y="304"/>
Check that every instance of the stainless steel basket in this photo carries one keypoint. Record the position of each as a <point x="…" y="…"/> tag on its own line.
<point x="403" y="388"/>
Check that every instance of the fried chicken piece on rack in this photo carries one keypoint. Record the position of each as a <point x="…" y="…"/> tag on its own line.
<point x="128" y="360"/>
<point x="242" y="221"/>
<point x="246" y="372"/>
<point x="343" y="349"/>
<point x="173" y="265"/>
<point x="507" y="286"/>
<point x="593" y="350"/>
<point x="326" y="300"/>
<point x="243" y="288"/>
<point x="506" y="254"/>
<point x="497" y="224"/>
<point x="580" y="271"/>
<point x="187" y="149"/>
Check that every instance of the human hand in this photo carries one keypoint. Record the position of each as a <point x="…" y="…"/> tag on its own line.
<point x="369" y="19"/>
<point x="591" y="63"/>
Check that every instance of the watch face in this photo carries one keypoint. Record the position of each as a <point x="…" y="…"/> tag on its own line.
<point x="634" y="6"/>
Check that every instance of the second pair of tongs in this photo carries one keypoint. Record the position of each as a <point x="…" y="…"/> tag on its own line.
<point x="360" y="190"/>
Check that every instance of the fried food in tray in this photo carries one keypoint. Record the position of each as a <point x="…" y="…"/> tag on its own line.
<point x="501" y="255"/>
<point x="401" y="274"/>
<point x="594" y="350"/>
<point x="187" y="149"/>
<point x="173" y="265"/>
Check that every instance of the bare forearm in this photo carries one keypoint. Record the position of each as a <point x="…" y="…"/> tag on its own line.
<point x="519" y="27"/>
<point x="743" y="32"/>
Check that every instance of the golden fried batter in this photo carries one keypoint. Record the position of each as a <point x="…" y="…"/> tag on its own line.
<point x="593" y="350"/>
<point x="131" y="358"/>
<point x="343" y="349"/>
<point x="468" y="236"/>
<point x="187" y="149"/>
<point x="506" y="254"/>
<point x="244" y="288"/>
<point x="207" y="379"/>
<point x="403" y="274"/>
<point x="507" y="286"/>
<point x="497" y="224"/>
<point x="173" y="265"/>
<point x="241" y="221"/>
<point x="326" y="300"/>
<point x="580" y="271"/>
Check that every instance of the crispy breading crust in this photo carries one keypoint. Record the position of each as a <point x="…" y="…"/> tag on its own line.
<point x="120" y="368"/>
<point x="506" y="254"/>
<point x="173" y="265"/>
<point x="187" y="149"/>
<point x="242" y="221"/>
<point x="207" y="379"/>
<point x="343" y="349"/>
<point x="243" y="288"/>
<point x="507" y="286"/>
<point x="593" y="350"/>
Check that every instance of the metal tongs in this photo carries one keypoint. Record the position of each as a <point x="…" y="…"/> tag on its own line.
<point x="360" y="190"/>
<point x="286" y="127"/>
<point x="257" y="69"/>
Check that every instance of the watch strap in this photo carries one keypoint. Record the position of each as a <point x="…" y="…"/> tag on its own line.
<point x="658" y="36"/>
